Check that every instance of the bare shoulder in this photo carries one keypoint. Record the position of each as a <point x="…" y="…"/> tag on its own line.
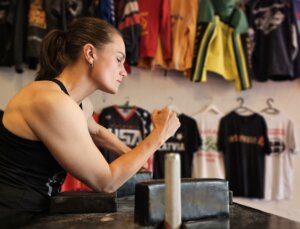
<point x="37" y="105"/>
<point x="53" y="114"/>
<point x="36" y="92"/>
<point x="44" y="97"/>
<point x="52" y="102"/>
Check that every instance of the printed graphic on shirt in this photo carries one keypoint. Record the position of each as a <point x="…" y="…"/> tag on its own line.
<point x="209" y="144"/>
<point x="277" y="146"/>
<point x="269" y="18"/>
<point x="37" y="16"/>
<point x="144" y="23"/>
<point x="246" y="139"/>
<point x="74" y="10"/>
<point x="176" y="144"/>
<point x="74" y="7"/>
<point x="129" y="136"/>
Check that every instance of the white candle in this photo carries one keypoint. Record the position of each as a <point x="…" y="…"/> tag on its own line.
<point x="172" y="191"/>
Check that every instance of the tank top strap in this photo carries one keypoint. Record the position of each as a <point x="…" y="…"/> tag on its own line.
<point x="62" y="87"/>
<point x="60" y="84"/>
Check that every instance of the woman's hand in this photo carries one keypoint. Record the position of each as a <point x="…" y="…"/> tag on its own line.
<point x="165" y="121"/>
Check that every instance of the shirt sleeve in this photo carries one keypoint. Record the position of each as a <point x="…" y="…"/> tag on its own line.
<point x="198" y="140"/>
<point x="267" y="146"/>
<point x="292" y="142"/>
<point x="221" y="136"/>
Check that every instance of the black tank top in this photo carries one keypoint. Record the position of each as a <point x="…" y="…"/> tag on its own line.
<point x="29" y="174"/>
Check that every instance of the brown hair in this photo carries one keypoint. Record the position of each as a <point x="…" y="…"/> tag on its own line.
<point x="61" y="48"/>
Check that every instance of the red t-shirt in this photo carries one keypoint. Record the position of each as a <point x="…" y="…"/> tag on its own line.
<point x="156" y="23"/>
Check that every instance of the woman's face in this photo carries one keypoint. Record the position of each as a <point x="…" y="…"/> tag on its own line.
<point x="108" y="70"/>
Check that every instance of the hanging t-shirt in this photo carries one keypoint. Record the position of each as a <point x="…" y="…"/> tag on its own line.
<point x="186" y="141"/>
<point x="155" y="21"/>
<point x="279" y="164"/>
<point x="244" y="143"/>
<point x="208" y="162"/>
<point x="273" y="26"/>
<point x="130" y="125"/>
<point x="128" y="16"/>
<point x="222" y="44"/>
<point x="183" y="28"/>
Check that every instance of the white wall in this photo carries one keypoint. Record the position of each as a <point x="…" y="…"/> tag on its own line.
<point x="153" y="90"/>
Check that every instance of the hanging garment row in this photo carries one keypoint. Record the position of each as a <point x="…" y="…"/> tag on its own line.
<point x="194" y="38"/>
<point x="213" y="145"/>
<point x="253" y="151"/>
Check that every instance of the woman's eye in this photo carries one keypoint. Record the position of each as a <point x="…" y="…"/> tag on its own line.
<point x="119" y="60"/>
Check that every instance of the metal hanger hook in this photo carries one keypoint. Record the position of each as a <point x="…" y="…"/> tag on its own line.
<point x="269" y="100"/>
<point x="241" y="100"/>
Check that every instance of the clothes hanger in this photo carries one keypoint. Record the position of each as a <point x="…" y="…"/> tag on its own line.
<point x="243" y="109"/>
<point x="270" y="109"/>
<point x="212" y="108"/>
<point x="125" y="109"/>
<point x="126" y="105"/>
<point x="209" y="108"/>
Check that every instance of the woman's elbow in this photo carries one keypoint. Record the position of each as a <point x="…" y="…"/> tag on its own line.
<point x="105" y="188"/>
<point x="109" y="190"/>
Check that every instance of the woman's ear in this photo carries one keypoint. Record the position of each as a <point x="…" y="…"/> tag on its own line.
<point x="89" y="53"/>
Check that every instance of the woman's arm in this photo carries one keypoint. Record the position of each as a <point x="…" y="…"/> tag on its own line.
<point x="58" y="121"/>
<point x="106" y="139"/>
<point x="100" y="135"/>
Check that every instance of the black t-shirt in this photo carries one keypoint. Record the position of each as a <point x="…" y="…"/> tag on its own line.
<point x="130" y="125"/>
<point x="185" y="142"/>
<point x="274" y="27"/>
<point x="244" y="143"/>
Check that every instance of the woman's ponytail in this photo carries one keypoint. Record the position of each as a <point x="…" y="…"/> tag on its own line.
<point x="52" y="55"/>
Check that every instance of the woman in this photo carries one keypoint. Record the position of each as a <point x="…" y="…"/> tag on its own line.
<point x="47" y="128"/>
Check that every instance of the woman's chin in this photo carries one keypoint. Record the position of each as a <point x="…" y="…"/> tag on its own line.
<point x="111" y="91"/>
